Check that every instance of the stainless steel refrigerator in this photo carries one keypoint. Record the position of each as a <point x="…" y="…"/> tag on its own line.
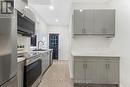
<point x="8" y="51"/>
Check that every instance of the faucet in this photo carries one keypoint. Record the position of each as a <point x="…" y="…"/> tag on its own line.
<point x="39" y="44"/>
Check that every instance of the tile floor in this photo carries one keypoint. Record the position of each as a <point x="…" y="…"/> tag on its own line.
<point x="57" y="76"/>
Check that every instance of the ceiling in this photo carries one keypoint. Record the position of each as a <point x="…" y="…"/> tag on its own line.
<point x="61" y="12"/>
<point x="90" y="1"/>
<point x="39" y="2"/>
<point x="62" y="8"/>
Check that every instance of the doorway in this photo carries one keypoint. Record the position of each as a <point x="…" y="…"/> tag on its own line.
<point x="54" y="44"/>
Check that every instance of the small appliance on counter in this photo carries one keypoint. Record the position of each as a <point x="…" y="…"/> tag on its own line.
<point x="20" y="47"/>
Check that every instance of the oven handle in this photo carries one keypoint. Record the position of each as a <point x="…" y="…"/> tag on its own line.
<point x="32" y="61"/>
<point x="33" y="65"/>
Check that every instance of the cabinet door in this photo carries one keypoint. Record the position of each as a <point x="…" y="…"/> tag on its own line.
<point x="101" y="72"/>
<point x="91" y="72"/>
<point x="88" y="22"/>
<point x="79" y="72"/>
<point x="78" y="22"/>
<point x="113" y="73"/>
<point x="104" y="22"/>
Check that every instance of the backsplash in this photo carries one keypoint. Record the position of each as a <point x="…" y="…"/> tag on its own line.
<point x="22" y="40"/>
<point x="86" y="43"/>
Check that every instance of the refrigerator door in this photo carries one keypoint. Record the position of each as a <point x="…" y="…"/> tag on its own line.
<point x="11" y="83"/>
<point x="8" y="49"/>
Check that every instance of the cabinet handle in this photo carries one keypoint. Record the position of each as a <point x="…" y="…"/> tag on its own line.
<point x="83" y="66"/>
<point x="86" y="66"/>
<point x="106" y="66"/>
<point x="83" y="30"/>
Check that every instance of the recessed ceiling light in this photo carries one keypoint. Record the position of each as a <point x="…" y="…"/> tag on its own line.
<point x="81" y="10"/>
<point x="51" y="7"/>
<point x="57" y="20"/>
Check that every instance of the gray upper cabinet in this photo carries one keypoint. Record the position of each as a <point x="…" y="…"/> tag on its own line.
<point x="104" y="22"/>
<point x="78" y="22"/>
<point x="94" y="22"/>
<point x="83" y="22"/>
<point x="88" y="27"/>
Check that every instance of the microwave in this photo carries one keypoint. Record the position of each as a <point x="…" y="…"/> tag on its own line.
<point x="25" y="25"/>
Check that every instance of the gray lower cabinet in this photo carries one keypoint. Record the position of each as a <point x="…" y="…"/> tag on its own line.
<point x="94" y="22"/>
<point x="45" y="61"/>
<point x="79" y="72"/>
<point x="96" y="70"/>
<point x="113" y="72"/>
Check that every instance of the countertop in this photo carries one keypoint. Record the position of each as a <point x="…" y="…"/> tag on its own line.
<point x="20" y="59"/>
<point x="30" y="53"/>
<point x="43" y="51"/>
<point x="95" y="53"/>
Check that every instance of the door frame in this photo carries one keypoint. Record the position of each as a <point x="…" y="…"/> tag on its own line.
<point x="58" y="42"/>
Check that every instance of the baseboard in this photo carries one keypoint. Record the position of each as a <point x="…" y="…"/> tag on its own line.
<point x="95" y="85"/>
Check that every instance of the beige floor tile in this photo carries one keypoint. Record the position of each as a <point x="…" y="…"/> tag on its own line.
<point x="57" y="76"/>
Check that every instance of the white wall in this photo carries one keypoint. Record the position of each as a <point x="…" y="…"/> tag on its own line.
<point x="122" y="40"/>
<point x="82" y="42"/>
<point x="89" y="5"/>
<point x="22" y="40"/>
<point x="42" y="32"/>
<point x="64" y="43"/>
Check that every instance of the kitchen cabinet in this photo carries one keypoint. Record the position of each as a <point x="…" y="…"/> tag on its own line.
<point x="104" y="22"/>
<point x="79" y="72"/>
<point x="88" y="24"/>
<point x="46" y="60"/>
<point x="85" y="71"/>
<point x="83" y="22"/>
<point x="94" y="22"/>
<point x="95" y="70"/>
<point x="20" y="73"/>
<point x="78" y="22"/>
<point x="21" y="5"/>
<point x="112" y="72"/>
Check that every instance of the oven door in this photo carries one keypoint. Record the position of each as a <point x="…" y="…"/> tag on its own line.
<point x="32" y="73"/>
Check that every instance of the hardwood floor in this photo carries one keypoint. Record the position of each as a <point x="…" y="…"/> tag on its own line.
<point x="84" y="85"/>
<point x="57" y="76"/>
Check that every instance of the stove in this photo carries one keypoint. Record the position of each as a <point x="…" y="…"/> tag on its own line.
<point x="32" y="69"/>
